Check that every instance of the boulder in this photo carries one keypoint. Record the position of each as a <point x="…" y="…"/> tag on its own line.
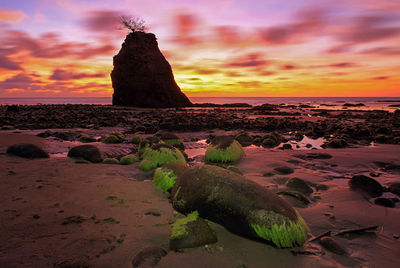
<point x="142" y="77"/>
<point x="87" y="152"/>
<point x="27" y="150"/>
<point x="191" y="231"/>
<point x="224" y="149"/>
<point x="240" y="205"/>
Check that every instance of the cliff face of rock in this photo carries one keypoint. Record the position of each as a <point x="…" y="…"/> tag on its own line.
<point x="142" y="77"/>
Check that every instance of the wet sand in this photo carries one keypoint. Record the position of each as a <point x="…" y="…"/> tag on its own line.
<point x="60" y="211"/>
<point x="56" y="210"/>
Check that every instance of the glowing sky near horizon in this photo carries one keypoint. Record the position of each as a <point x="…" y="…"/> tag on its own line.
<point x="64" y="48"/>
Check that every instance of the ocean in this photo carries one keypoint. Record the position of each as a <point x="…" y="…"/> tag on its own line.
<point x="380" y="103"/>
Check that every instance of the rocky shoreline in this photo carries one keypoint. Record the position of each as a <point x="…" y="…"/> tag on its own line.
<point x="341" y="127"/>
<point x="338" y="169"/>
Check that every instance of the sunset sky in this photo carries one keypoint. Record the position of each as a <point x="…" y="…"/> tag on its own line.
<point x="64" y="48"/>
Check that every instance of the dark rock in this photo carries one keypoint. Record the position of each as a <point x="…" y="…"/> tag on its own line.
<point x="337" y="143"/>
<point x="287" y="146"/>
<point x="311" y="156"/>
<point x="333" y="245"/>
<point x="87" y="152"/>
<point x="284" y="170"/>
<point x="73" y="264"/>
<point x="353" y="104"/>
<point x="271" y="140"/>
<point x="244" y="139"/>
<point x="191" y="231"/>
<point x="45" y="134"/>
<point x="395" y="188"/>
<point x="299" y="185"/>
<point x="149" y="257"/>
<point x="27" y="150"/>
<point x="240" y="205"/>
<point x="142" y="77"/>
<point x="366" y="184"/>
<point x="298" y="196"/>
<point x="385" y="202"/>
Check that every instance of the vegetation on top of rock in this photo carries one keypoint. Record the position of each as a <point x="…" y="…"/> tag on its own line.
<point x="160" y="154"/>
<point x="224" y="149"/>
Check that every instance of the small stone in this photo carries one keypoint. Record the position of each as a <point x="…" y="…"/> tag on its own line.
<point x="284" y="170"/>
<point x="385" y="202"/>
<point x="149" y="257"/>
<point x="27" y="150"/>
<point x="299" y="185"/>
<point x="366" y="184"/>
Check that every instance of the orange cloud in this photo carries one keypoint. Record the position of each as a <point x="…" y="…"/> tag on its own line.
<point x="9" y="15"/>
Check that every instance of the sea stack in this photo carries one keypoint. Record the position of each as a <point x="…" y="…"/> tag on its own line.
<point x="142" y="77"/>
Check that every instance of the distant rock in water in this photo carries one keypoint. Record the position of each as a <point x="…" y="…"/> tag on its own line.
<point x="142" y="77"/>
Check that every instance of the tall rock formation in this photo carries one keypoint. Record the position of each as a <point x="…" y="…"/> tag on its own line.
<point x="142" y="77"/>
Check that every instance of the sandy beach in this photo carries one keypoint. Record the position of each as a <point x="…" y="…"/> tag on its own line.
<point x="62" y="212"/>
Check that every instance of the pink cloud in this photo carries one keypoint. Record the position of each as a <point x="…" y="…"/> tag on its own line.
<point x="49" y="45"/>
<point x="60" y="74"/>
<point x="308" y="23"/>
<point x="250" y="60"/>
<point x="20" y="81"/>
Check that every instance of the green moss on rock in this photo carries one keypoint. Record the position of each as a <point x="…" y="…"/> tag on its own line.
<point x="171" y="139"/>
<point x="128" y="159"/>
<point x="159" y="155"/>
<point x="224" y="149"/>
<point x="165" y="176"/>
<point x="147" y="165"/>
<point x="110" y="161"/>
<point x="283" y="234"/>
<point x="136" y="139"/>
<point x="112" y="139"/>
<point x="147" y="143"/>
<point x="179" y="227"/>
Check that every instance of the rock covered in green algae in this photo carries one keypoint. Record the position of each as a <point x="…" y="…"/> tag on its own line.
<point x="113" y="161"/>
<point x="240" y="205"/>
<point x="136" y="139"/>
<point x="171" y="139"/>
<point x="224" y="149"/>
<point x="165" y="176"/>
<point x="128" y="159"/>
<point x="87" y="152"/>
<point x="114" y="137"/>
<point x="191" y="231"/>
<point x="146" y="143"/>
<point x="27" y="150"/>
<point x="160" y="154"/>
